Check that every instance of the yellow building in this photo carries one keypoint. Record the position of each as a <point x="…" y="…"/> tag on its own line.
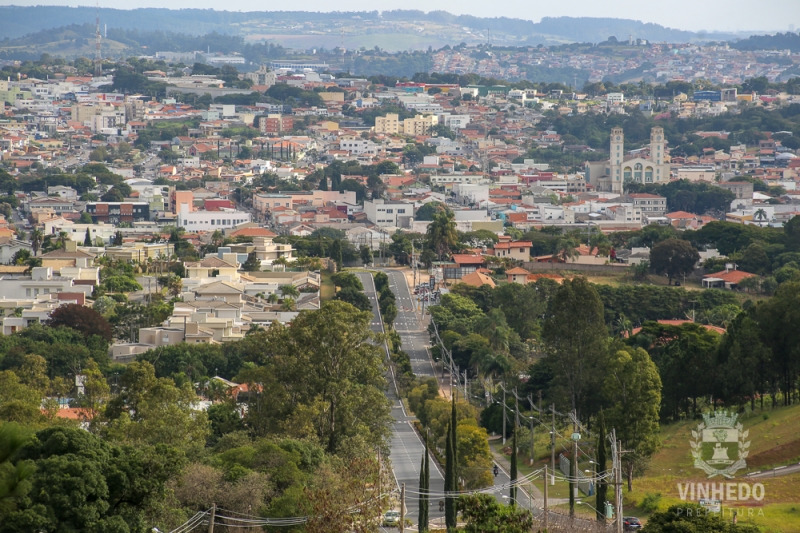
<point x="390" y="124"/>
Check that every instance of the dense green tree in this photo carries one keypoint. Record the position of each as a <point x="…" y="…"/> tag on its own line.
<point x="14" y="474"/>
<point x="673" y="257"/>
<point x="347" y="280"/>
<point x="745" y="361"/>
<point x="441" y="236"/>
<point x="685" y="357"/>
<point x="152" y="410"/>
<point x="483" y="514"/>
<point x="427" y="211"/>
<point x="574" y="335"/>
<point x="82" y="483"/>
<point x="366" y="255"/>
<point x="694" y="518"/>
<point x="424" y="488"/>
<point x="322" y="378"/>
<point x="632" y="390"/>
<point x="355" y="298"/>
<point x="777" y="318"/>
<point x="81" y="318"/>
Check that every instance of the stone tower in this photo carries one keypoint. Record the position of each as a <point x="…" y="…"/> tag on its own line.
<point x="617" y="156"/>
<point x="657" y="146"/>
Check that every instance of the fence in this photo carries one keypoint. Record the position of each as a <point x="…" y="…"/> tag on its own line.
<point x="585" y="484"/>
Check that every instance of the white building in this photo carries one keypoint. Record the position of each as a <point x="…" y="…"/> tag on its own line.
<point x="212" y="220"/>
<point x="358" y="146"/>
<point x="389" y="214"/>
<point x="42" y="281"/>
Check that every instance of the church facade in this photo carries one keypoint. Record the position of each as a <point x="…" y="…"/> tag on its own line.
<point x="613" y="174"/>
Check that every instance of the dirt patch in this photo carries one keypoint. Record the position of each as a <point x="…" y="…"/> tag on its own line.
<point x="776" y="455"/>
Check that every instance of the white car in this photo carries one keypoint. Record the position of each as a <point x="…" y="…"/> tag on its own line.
<point x="391" y="518"/>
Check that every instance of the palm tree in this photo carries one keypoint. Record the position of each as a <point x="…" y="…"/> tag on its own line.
<point x="760" y="215"/>
<point x="442" y="235"/>
<point x="62" y="239"/>
<point x="289" y="304"/>
<point x="36" y="240"/>
<point x="280" y="261"/>
<point x="624" y="326"/>
<point x="566" y="249"/>
<point x="289" y="291"/>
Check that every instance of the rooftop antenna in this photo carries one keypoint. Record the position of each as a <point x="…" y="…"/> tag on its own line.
<point x="98" y="60"/>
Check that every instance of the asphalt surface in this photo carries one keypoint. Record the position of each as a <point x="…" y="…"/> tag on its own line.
<point x="406" y="446"/>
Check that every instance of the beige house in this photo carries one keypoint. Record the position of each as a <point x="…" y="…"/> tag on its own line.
<point x="518" y="250"/>
<point x="227" y="291"/>
<point x="517" y="275"/>
<point x="212" y="267"/>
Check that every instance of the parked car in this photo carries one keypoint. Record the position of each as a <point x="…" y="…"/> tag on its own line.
<point x="631" y="523"/>
<point x="391" y="518"/>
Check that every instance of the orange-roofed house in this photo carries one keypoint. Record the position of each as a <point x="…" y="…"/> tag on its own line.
<point x="728" y="279"/>
<point x="464" y="264"/>
<point x="517" y="275"/>
<point x="477" y="279"/>
<point x="519" y="250"/>
<point x="252" y="232"/>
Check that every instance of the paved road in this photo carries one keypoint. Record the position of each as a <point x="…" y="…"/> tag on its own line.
<point x="406" y="446"/>
<point x="775" y="472"/>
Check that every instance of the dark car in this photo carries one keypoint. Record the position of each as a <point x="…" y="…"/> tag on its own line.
<point x="631" y="523"/>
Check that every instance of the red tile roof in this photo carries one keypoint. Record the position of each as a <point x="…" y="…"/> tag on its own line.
<point x="464" y="259"/>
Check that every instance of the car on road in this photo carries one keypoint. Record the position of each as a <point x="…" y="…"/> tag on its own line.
<point x="391" y="518"/>
<point x="631" y="523"/>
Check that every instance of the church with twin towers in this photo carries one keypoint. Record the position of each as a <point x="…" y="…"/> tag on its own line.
<point x="613" y="174"/>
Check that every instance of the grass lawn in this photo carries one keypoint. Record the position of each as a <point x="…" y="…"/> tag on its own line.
<point x="774" y="441"/>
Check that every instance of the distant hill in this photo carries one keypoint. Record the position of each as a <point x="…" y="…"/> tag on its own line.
<point x="311" y="29"/>
<point x="779" y="41"/>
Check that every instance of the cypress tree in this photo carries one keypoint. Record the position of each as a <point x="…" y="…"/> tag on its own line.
<point x="87" y="240"/>
<point x="599" y="468"/>
<point x="424" y="487"/>
<point x="513" y="489"/>
<point x="450" y="473"/>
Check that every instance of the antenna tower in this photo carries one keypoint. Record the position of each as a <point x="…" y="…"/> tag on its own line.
<point x="98" y="60"/>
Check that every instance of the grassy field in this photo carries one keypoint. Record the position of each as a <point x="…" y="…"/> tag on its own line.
<point x="774" y="441"/>
<point x="774" y="437"/>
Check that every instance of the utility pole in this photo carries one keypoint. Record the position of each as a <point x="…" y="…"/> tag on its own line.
<point x="466" y="387"/>
<point x="533" y="454"/>
<point x="414" y="264"/>
<point x="504" y="414"/>
<point x="545" y="497"/>
<point x="403" y="507"/>
<point x="211" y="520"/>
<point x="619" y="483"/>
<point x="553" y="445"/>
<point x="573" y="469"/>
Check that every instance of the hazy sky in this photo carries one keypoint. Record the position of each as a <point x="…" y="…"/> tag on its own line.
<point x="695" y="15"/>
